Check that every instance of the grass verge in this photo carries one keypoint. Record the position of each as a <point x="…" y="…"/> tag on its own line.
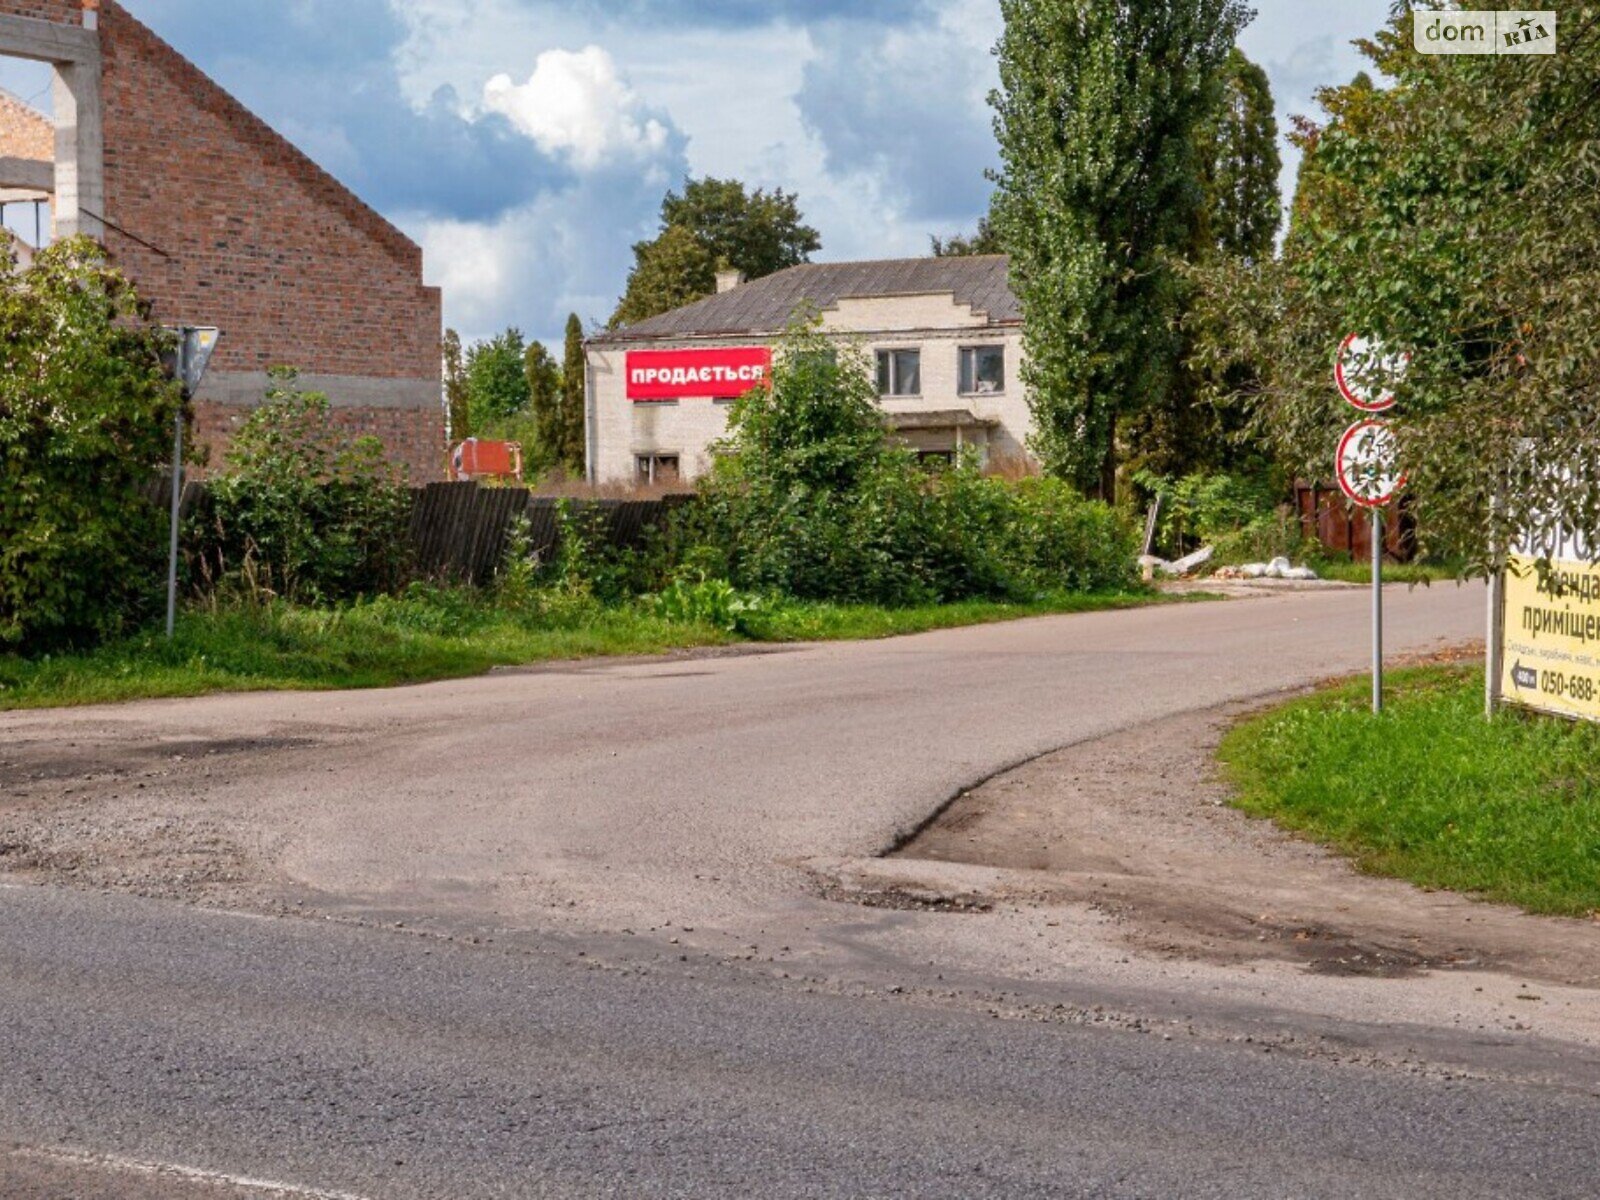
<point x="431" y="634"/>
<point x="1429" y="791"/>
<point x="1345" y="571"/>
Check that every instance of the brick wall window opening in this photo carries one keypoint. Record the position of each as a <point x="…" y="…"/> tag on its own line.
<point x="983" y="370"/>
<point x="899" y="372"/>
<point x="657" y="468"/>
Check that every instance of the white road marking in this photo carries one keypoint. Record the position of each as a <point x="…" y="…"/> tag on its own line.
<point x="160" y="1170"/>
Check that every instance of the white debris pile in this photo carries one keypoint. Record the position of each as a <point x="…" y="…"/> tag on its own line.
<point x="1278" y="568"/>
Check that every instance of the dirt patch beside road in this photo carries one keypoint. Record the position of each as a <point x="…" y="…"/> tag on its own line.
<point x="1138" y="826"/>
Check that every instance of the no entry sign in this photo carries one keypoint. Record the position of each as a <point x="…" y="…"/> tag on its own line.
<point x="1369" y="464"/>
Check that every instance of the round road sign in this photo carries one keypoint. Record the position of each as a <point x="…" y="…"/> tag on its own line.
<point x="1369" y="464"/>
<point x="1365" y="374"/>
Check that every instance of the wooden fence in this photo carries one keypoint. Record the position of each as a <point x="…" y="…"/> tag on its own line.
<point x="459" y="530"/>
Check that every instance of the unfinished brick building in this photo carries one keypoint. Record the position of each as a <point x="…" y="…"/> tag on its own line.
<point x="220" y="221"/>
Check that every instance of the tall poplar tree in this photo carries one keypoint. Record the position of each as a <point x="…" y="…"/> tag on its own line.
<point x="1098" y="192"/>
<point x="1237" y="146"/>
<point x="544" y="406"/>
<point x="1184" y="429"/>
<point x="570" y="440"/>
<point x="455" y="387"/>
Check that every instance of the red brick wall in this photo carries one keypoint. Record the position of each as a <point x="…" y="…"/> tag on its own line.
<point x="413" y="437"/>
<point x="257" y="238"/>
<point x="25" y="133"/>
<point x="44" y="10"/>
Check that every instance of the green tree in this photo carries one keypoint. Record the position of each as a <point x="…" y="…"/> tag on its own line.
<point x="1238" y="157"/>
<point x="984" y="241"/>
<point x="455" y="387"/>
<point x="86" y="415"/>
<point x="1097" y="194"/>
<point x="673" y="270"/>
<point x="497" y="381"/>
<point x="713" y="224"/>
<point x="757" y="232"/>
<point x="1455" y="215"/>
<point x="1186" y="429"/>
<point x="570" y="442"/>
<point x="543" y="413"/>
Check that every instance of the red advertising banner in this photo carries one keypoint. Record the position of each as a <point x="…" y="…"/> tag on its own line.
<point x="719" y="374"/>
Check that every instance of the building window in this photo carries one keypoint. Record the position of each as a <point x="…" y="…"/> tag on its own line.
<point x="899" y="372"/>
<point x="983" y="370"/>
<point x="656" y="468"/>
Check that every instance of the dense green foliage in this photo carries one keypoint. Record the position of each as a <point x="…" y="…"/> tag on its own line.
<point x="302" y="510"/>
<point x="983" y="241"/>
<point x="1431" y="793"/>
<point x="714" y="224"/>
<point x="1099" y="193"/>
<point x="496" y="380"/>
<point x="1453" y="214"/>
<point x="539" y="424"/>
<point x="810" y="498"/>
<point x="458" y="412"/>
<point x="1237" y="151"/>
<point x="672" y="270"/>
<point x="567" y="452"/>
<point x="1208" y="508"/>
<point x="86" y="421"/>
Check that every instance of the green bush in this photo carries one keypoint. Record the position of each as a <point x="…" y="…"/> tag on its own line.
<point x="703" y="601"/>
<point x="86" y="416"/>
<point x="810" y="498"/>
<point x="303" y="510"/>
<point x="1205" y="508"/>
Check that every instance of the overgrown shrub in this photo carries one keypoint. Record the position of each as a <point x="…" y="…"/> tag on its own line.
<point x="86" y="417"/>
<point x="810" y="498"/>
<point x="1204" y="508"/>
<point x="304" y="510"/>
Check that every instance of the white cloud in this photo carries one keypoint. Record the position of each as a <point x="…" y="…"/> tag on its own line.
<point x="577" y="104"/>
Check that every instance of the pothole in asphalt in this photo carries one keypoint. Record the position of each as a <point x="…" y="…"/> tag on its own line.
<point x="906" y="899"/>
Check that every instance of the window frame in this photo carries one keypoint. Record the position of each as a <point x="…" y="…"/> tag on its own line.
<point x="972" y="349"/>
<point x="647" y="464"/>
<point x="892" y="354"/>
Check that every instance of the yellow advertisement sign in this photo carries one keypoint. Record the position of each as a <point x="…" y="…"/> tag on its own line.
<point x="1550" y="648"/>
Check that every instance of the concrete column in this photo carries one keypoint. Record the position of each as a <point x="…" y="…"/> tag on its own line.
<point x="80" y="150"/>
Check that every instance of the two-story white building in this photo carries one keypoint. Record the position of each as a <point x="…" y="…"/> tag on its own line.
<point x="945" y="333"/>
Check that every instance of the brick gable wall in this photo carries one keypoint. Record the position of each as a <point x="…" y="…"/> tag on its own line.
<point x="219" y="220"/>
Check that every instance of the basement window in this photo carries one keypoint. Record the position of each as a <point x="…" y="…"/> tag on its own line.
<point x="656" y="468"/>
<point x="983" y="370"/>
<point x="899" y="372"/>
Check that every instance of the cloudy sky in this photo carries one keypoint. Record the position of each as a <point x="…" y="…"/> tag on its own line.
<point x="527" y="143"/>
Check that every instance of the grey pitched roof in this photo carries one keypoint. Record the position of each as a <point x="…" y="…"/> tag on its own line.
<point x="765" y="305"/>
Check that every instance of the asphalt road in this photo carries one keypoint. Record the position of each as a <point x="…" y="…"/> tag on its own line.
<point x="650" y="990"/>
<point x="684" y="791"/>
<point x="140" y="1039"/>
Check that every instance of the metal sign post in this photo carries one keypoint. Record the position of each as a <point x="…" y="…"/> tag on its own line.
<point x="1367" y="460"/>
<point x="191" y="357"/>
<point x="1377" y="610"/>
<point x="177" y="490"/>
